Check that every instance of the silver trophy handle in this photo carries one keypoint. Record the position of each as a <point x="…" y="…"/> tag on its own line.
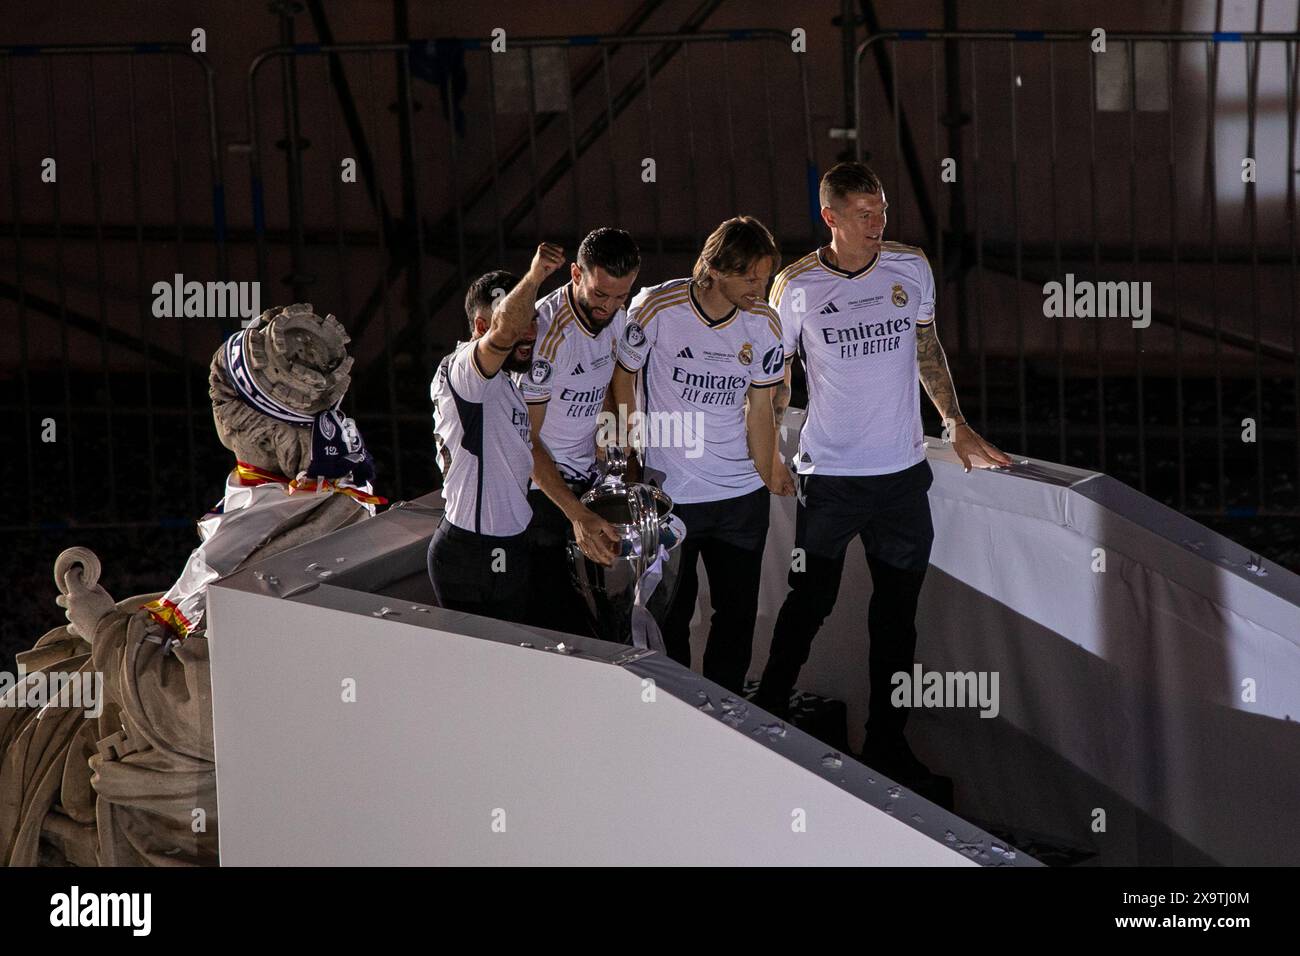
<point x="645" y="523"/>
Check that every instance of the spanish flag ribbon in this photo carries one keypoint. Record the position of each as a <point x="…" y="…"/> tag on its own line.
<point x="317" y="485"/>
<point x="168" y="615"/>
<point x="250" y="475"/>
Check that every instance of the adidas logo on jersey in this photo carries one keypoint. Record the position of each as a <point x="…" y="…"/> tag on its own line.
<point x="579" y="370"/>
<point x="686" y="353"/>
<point x="828" y="309"/>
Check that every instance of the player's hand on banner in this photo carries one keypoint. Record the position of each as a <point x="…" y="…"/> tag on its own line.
<point x="546" y="260"/>
<point x="595" y="536"/>
<point x="969" y="446"/>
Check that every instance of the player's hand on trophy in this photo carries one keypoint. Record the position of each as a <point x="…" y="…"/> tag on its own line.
<point x="779" y="481"/>
<point x="546" y="260"/>
<point x="597" y="538"/>
<point x="969" y="446"/>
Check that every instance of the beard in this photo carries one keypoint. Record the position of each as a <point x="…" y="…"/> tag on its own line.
<point x="595" y="321"/>
<point x="514" y="363"/>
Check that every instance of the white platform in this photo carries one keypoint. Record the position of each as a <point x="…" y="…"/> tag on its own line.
<point x="1120" y="692"/>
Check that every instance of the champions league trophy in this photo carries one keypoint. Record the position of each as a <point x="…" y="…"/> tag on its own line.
<point x="629" y="599"/>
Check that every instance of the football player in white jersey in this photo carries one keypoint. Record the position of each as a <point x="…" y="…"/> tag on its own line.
<point x="566" y="389"/>
<point x="860" y="315"/>
<point x="478" y="557"/>
<point x="710" y="355"/>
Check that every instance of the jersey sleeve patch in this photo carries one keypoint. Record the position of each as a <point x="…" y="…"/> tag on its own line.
<point x="536" y="383"/>
<point x="633" y="345"/>
<point x="773" y="361"/>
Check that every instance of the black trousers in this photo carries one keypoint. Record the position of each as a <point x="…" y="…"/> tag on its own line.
<point x="555" y="603"/>
<point x="729" y="535"/>
<point x="890" y="514"/>
<point x="480" y="573"/>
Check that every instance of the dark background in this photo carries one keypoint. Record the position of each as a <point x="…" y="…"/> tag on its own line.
<point x="1116" y="167"/>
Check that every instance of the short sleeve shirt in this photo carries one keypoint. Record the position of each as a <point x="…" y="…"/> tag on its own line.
<point x="696" y="373"/>
<point x="482" y="437"/>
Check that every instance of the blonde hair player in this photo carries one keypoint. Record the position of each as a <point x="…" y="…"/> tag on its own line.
<point x="859" y="313"/>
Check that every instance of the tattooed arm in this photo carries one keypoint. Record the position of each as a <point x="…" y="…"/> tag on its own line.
<point x="932" y="367"/>
<point x="781" y="398"/>
<point x="932" y="364"/>
<point x="782" y="481"/>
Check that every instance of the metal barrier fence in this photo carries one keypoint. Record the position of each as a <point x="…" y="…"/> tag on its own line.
<point x="104" y="215"/>
<point x="1047" y="124"/>
<point x="551" y="137"/>
<point x="133" y="446"/>
<point x="463" y="156"/>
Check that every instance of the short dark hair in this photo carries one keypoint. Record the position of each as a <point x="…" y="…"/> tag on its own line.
<point x="611" y="249"/>
<point x="483" y="292"/>
<point x="734" y="246"/>
<point x="844" y="178"/>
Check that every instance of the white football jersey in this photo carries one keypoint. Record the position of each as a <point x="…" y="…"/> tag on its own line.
<point x="481" y="435"/>
<point x="572" y="367"/>
<point x="695" y="375"/>
<point x="856" y="335"/>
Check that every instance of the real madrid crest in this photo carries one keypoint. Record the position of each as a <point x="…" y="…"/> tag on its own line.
<point x="899" y="296"/>
<point x="746" y="354"/>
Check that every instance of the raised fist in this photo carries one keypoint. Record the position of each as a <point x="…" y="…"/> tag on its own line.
<point x="546" y="260"/>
